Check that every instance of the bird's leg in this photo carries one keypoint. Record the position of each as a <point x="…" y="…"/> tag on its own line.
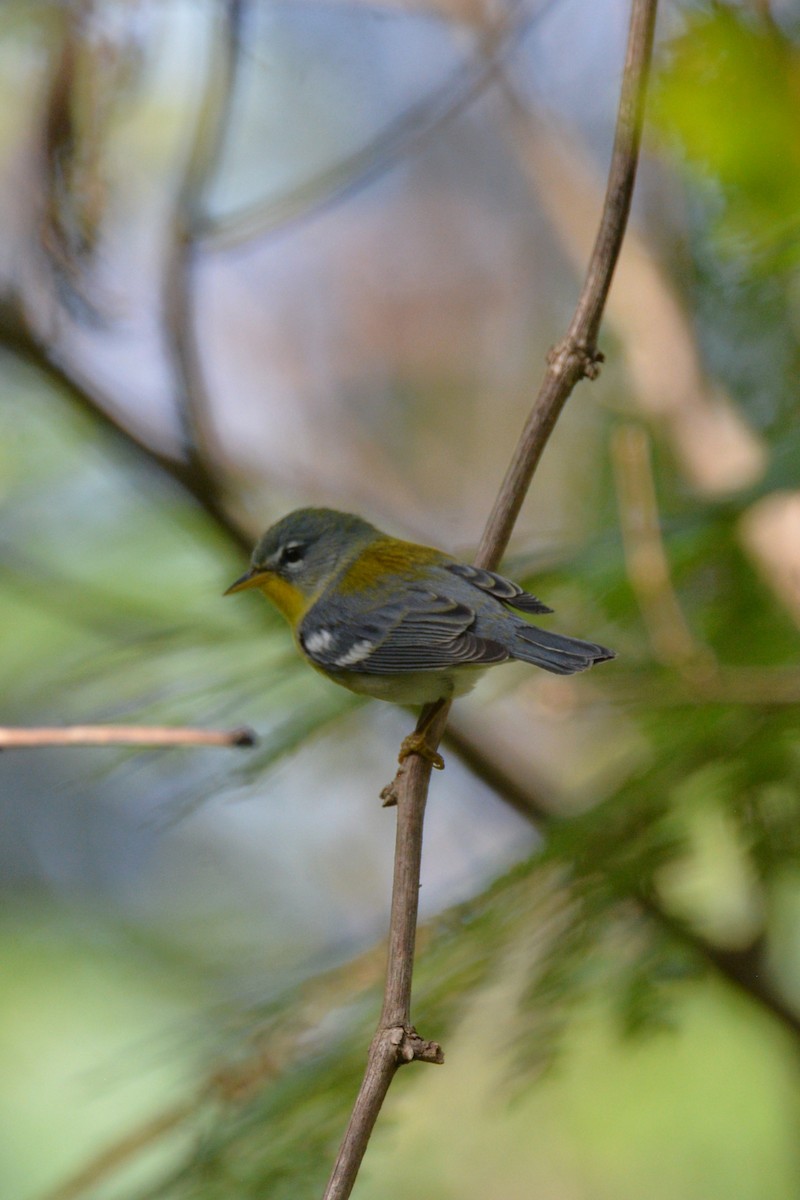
<point x="417" y="743"/>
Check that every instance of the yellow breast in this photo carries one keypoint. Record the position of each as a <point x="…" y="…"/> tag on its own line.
<point x="288" y="599"/>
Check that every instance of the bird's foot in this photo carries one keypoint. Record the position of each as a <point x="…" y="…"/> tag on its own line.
<point x="416" y="743"/>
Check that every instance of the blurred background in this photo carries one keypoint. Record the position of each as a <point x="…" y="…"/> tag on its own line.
<point x="262" y="254"/>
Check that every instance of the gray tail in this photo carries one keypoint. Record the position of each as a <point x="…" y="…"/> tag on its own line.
<point x="556" y="653"/>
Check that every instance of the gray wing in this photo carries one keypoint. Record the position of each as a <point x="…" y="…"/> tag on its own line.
<point x="502" y="589"/>
<point x="420" y="631"/>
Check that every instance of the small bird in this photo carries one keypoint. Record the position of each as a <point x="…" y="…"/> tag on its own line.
<point x="399" y="621"/>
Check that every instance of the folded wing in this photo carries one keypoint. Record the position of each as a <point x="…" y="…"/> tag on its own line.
<point x="498" y="586"/>
<point x="420" y="630"/>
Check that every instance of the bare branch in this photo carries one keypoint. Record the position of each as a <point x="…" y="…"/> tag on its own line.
<point x="122" y="735"/>
<point x="395" y="1041"/>
<point x="576" y="356"/>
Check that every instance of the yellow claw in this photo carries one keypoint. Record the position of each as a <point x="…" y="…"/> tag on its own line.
<point x="415" y="743"/>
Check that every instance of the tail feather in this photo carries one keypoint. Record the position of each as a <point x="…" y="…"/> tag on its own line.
<point x="555" y="652"/>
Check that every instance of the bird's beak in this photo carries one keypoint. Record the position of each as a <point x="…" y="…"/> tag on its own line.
<point x="252" y="578"/>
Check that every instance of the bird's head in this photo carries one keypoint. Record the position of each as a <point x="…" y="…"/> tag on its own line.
<point x="295" y="559"/>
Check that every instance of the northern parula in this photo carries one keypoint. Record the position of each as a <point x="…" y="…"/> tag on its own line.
<point x="395" y="620"/>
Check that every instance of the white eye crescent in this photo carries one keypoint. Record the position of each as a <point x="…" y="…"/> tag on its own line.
<point x="292" y="554"/>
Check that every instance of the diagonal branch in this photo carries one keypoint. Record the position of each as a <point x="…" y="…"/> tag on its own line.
<point x="499" y="38"/>
<point x="576" y="355"/>
<point x="18" y="336"/>
<point x="395" y="1040"/>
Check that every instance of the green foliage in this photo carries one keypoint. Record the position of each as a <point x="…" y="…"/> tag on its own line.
<point x="729" y="93"/>
<point x="557" y="945"/>
<point x="282" y="1143"/>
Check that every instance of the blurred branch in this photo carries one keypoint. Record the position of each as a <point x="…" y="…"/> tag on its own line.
<point x="122" y="1151"/>
<point x="477" y="749"/>
<point x="122" y="735"/>
<point x="17" y="336"/>
<point x="498" y="38"/>
<point x="576" y="356"/>
<point x="760" y="687"/>
<point x="61" y="144"/>
<point x="92" y="66"/>
<point x="770" y="533"/>
<point x="646" y="559"/>
<point x="73" y="200"/>
<point x="207" y="141"/>
<point x="744" y="967"/>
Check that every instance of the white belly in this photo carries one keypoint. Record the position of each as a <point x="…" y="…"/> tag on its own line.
<point x="415" y="687"/>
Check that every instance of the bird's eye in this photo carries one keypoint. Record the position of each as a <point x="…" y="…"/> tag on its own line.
<point x="291" y="554"/>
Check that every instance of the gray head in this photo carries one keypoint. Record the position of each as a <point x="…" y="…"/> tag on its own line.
<point x="306" y="547"/>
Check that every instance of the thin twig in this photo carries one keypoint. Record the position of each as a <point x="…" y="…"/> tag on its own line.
<point x="395" y="1040"/>
<point x="122" y="735"/>
<point x="575" y="357"/>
